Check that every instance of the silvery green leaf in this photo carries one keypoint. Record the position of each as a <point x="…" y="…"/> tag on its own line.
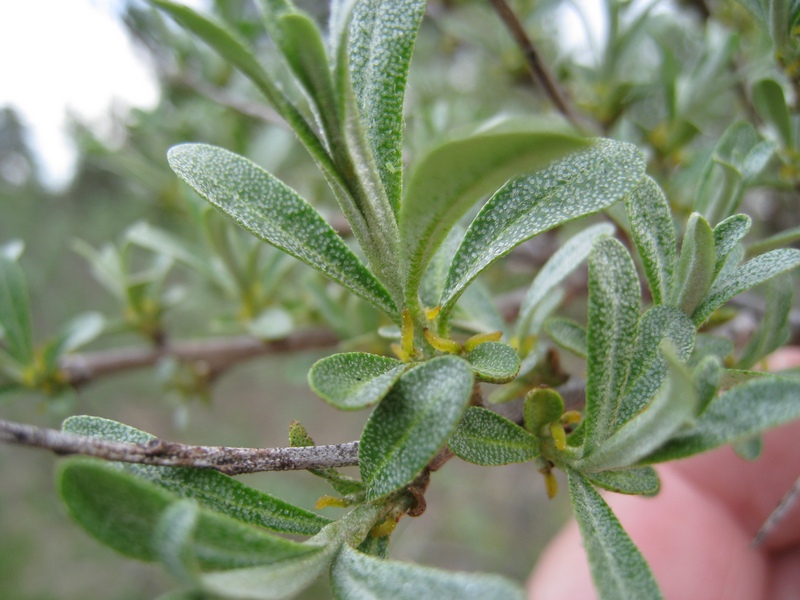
<point x="163" y="242"/>
<point x="731" y="378"/>
<point x="640" y="481"/>
<point x="80" y="331"/>
<point x="124" y="511"/>
<point x="455" y="175"/>
<point x="276" y="214"/>
<point x="270" y="582"/>
<point x="381" y="42"/>
<point x="568" y="334"/>
<point x="494" y="362"/>
<point x="357" y="576"/>
<point x="477" y="311"/>
<point x="731" y="263"/>
<point x="773" y="329"/>
<point x="576" y="186"/>
<point x="233" y="50"/>
<point x="485" y="438"/>
<point x="210" y="489"/>
<point x="173" y="537"/>
<point x="300" y="42"/>
<point x="736" y="415"/>
<point x="673" y="406"/>
<point x="654" y="233"/>
<point x="697" y="265"/>
<point x="707" y="378"/>
<point x="727" y="235"/>
<point x="757" y="270"/>
<point x="739" y="156"/>
<point x="749" y="449"/>
<point x="770" y="103"/>
<point x="614" y="304"/>
<point x="648" y="366"/>
<point x="15" y="314"/>
<point x="338" y="21"/>
<point x="432" y="284"/>
<point x="779" y="240"/>
<point x="618" y="568"/>
<point x="354" y="380"/>
<point x="364" y="200"/>
<point x="557" y="268"/>
<point x="412" y="423"/>
<point x="706" y="344"/>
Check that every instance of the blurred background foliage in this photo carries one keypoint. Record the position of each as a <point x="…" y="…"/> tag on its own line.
<point x="700" y="86"/>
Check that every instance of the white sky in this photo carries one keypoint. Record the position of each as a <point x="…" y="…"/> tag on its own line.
<point x="60" y="55"/>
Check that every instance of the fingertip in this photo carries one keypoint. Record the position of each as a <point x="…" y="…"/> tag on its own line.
<point x="694" y="547"/>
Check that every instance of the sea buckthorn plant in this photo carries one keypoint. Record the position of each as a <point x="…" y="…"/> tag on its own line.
<point x="450" y="376"/>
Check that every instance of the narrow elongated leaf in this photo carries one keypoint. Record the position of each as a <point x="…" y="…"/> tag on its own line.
<point x="412" y="423"/>
<point x="452" y="177"/>
<point x="673" y="407"/>
<point x="276" y="214"/>
<point x="211" y="489"/>
<point x="578" y="185"/>
<point x="727" y="234"/>
<point x="270" y="582"/>
<point x="382" y="36"/>
<point x="773" y="329"/>
<point x="738" y="414"/>
<point x="300" y="42"/>
<point x="367" y="207"/>
<point x="172" y="539"/>
<point x="357" y="576"/>
<point x="697" y="264"/>
<point x="755" y="271"/>
<point x="123" y="511"/>
<point x="229" y="47"/>
<point x="354" y="380"/>
<point x="648" y="366"/>
<point x="770" y="103"/>
<point x="640" y="481"/>
<point x="739" y="156"/>
<point x="706" y="344"/>
<point x="485" y="438"/>
<point x="707" y="378"/>
<point x="614" y="304"/>
<point x="494" y="362"/>
<point x="654" y="234"/>
<point x="557" y="268"/>
<point x="568" y="334"/>
<point x="15" y="314"/>
<point x="477" y="312"/>
<point x="773" y="242"/>
<point x="618" y="568"/>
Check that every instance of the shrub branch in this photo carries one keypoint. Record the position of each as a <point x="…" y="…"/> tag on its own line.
<point x="230" y="461"/>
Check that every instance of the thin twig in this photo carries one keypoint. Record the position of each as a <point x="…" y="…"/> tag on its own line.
<point x="224" y="98"/>
<point x="778" y="514"/>
<point x="538" y="69"/>
<point x="231" y="461"/>
<point x="217" y="355"/>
